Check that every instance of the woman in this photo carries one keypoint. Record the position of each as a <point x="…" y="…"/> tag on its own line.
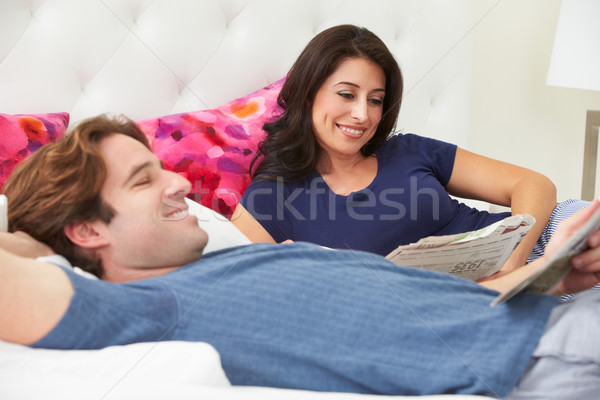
<point x="331" y="172"/>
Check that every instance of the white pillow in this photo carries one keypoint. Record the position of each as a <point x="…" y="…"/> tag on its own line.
<point x="3" y="212"/>
<point x="221" y="232"/>
<point x="170" y="362"/>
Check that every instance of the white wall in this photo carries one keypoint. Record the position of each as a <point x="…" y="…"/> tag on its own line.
<point x="515" y="116"/>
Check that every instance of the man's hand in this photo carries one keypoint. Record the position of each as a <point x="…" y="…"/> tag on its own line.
<point x="21" y="244"/>
<point x="586" y="266"/>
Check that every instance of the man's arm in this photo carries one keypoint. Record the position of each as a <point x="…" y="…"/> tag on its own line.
<point x="33" y="298"/>
<point x="21" y="244"/>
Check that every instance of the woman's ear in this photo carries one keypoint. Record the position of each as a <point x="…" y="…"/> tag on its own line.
<point x="84" y="234"/>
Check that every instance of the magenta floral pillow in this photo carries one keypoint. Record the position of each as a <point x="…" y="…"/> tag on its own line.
<point x="214" y="148"/>
<point x="21" y="135"/>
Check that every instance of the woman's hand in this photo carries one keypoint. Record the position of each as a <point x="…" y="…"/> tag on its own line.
<point x="21" y="244"/>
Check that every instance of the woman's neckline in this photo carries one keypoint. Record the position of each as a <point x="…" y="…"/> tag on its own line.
<point x="371" y="182"/>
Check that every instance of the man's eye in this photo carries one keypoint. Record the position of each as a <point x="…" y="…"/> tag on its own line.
<point x="142" y="182"/>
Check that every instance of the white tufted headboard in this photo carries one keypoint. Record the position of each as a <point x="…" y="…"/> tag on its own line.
<point x="148" y="58"/>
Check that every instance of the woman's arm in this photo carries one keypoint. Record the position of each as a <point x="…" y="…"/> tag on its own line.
<point x="33" y="298"/>
<point x="523" y="190"/>
<point x="586" y="266"/>
<point x="249" y="226"/>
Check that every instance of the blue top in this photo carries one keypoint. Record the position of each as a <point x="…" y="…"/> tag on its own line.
<point x="298" y="316"/>
<point x="405" y="202"/>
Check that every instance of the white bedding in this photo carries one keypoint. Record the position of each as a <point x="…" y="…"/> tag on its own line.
<point x="165" y="370"/>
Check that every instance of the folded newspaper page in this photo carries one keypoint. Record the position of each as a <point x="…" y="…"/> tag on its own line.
<point x="549" y="274"/>
<point x="471" y="255"/>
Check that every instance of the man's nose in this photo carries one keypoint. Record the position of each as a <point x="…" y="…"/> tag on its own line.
<point x="177" y="185"/>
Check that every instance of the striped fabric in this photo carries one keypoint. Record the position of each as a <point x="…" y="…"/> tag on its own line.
<point x="562" y="211"/>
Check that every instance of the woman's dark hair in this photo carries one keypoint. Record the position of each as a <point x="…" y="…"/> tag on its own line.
<point x="290" y="149"/>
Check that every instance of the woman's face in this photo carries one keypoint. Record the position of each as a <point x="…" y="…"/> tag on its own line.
<point x="348" y="107"/>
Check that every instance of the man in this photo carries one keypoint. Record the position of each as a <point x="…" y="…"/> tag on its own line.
<point x="291" y="315"/>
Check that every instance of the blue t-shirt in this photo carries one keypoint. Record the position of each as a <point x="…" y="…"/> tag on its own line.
<point x="299" y="316"/>
<point x="405" y="202"/>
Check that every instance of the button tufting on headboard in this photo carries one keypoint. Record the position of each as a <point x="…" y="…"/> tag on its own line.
<point x="147" y="58"/>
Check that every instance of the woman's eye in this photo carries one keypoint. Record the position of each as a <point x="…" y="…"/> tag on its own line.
<point x="347" y="96"/>
<point x="376" y="102"/>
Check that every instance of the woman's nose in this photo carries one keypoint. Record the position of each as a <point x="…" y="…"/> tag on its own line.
<point x="359" y="110"/>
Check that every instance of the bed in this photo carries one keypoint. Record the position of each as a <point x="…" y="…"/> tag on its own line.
<point x="201" y="77"/>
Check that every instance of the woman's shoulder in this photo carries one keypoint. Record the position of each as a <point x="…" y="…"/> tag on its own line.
<point x="271" y="182"/>
<point x="413" y="143"/>
<point x="412" y="139"/>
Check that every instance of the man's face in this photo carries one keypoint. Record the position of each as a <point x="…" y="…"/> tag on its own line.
<point x="151" y="227"/>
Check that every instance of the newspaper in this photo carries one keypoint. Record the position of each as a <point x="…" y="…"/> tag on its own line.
<point x="471" y="255"/>
<point x="547" y="276"/>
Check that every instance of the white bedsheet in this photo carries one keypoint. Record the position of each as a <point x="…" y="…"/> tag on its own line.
<point x="165" y="370"/>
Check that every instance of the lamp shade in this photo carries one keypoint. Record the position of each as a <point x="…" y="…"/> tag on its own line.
<point x="575" y="61"/>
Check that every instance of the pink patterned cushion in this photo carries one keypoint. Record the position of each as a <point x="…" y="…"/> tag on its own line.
<point x="21" y="135"/>
<point x="214" y="148"/>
